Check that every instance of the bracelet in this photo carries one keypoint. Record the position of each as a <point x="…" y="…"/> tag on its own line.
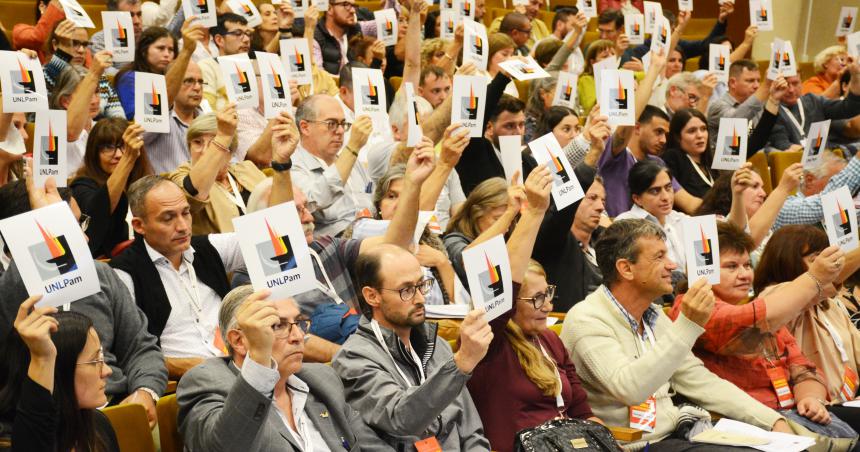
<point x="281" y="167"/>
<point x="817" y="284"/>
<point x="220" y="146"/>
<point x="347" y="148"/>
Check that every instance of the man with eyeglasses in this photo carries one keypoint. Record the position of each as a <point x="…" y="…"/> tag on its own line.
<point x="139" y="375"/>
<point x="519" y="28"/>
<point x="232" y="35"/>
<point x="682" y="91"/>
<point x="534" y="28"/>
<point x="402" y="377"/>
<point x="332" y="34"/>
<point x="338" y="190"/>
<point x="97" y="41"/>
<point x="167" y="151"/>
<point x="262" y="397"/>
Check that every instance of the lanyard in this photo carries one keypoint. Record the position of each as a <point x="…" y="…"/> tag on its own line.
<point x="837" y="339"/>
<point x="802" y="123"/>
<point x="707" y="178"/>
<point x="374" y="325"/>
<point x="328" y="288"/>
<point x="559" y="400"/>
<point x="236" y="196"/>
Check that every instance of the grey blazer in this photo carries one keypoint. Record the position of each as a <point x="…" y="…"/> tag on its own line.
<point x="220" y="411"/>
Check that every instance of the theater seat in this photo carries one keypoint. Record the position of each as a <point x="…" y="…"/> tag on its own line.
<point x="120" y="247"/>
<point x="396" y="82"/>
<point x="780" y="160"/>
<point x="759" y="163"/>
<point x="168" y="424"/>
<point x="131" y="427"/>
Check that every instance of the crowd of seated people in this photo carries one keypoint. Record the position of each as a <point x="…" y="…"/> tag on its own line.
<point x="604" y="322"/>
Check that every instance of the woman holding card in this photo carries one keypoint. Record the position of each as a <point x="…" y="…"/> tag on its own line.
<point x="562" y="122"/>
<point x="489" y="211"/>
<point x="688" y="154"/>
<point x="53" y="383"/>
<point x="155" y="50"/>
<point x="538" y="380"/>
<point x="113" y="160"/>
<point x="748" y="344"/>
<point x="823" y="330"/>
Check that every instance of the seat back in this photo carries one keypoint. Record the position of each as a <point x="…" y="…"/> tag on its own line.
<point x="168" y="424"/>
<point x="759" y="163"/>
<point x="131" y="427"/>
<point x="780" y="160"/>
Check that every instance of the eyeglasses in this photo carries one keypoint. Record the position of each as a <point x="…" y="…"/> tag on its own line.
<point x="344" y="5"/>
<point x="540" y="298"/>
<point x="75" y="43"/>
<point x="240" y="33"/>
<point x="98" y="361"/>
<point x="193" y="81"/>
<point x="111" y="148"/>
<point x="333" y="125"/>
<point x="84" y="222"/>
<point x="408" y="293"/>
<point x="285" y="328"/>
<point x="693" y="98"/>
<point x="528" y="32"/>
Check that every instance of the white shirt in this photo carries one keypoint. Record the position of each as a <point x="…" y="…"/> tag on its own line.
<point x="673" y="229"/>
<point x="191" y="328"/>
<point x="264" y="379"/>
<point x="75" y="151"/>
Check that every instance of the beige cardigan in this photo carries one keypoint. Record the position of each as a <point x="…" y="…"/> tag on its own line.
<point x="604" y="350"/>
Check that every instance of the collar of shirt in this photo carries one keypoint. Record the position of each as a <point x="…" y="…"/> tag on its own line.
<point x="310" y="161"/>
<point x="155" y="256"/>
<point x="671" y="219"/>
<point x="197" y="112"/>
<point x="649" y="316"/>
<point x="729" y="99"/>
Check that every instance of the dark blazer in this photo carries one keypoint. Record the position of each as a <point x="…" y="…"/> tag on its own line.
<point x="220" y="411"/>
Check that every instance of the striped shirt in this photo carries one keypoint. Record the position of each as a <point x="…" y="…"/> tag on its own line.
<point x="166" y="151"/>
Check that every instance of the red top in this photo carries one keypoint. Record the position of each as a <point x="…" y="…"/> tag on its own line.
<point x="507" y="400"/>
<point x="603" y="5"/>
<point x="25" y="36"/>
<point x="733" y="347"/>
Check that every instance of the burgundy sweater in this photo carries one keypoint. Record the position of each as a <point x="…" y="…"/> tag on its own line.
<point x="507" y="400"/>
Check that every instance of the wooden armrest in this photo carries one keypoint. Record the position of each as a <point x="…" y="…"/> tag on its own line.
<point x="171" y="387"/>
<point x="625" y="433"/>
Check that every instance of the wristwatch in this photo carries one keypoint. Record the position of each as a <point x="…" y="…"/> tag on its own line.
<point x="281" y="167"/>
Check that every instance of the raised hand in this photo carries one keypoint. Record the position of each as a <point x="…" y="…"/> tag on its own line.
<point x="65" y="30"/>
<point x="791" y="177"/>
<point x="228" y="120"/>
<point x="40" y="196"/>
<point x="192" y="33"/>
<point x="726" y="9"/>
<point x="708" y="83"/>
<point x="467" y="69"/>
<point x="475" y="338"/>
<point x="312" y="16"/>
<point x="285" y="138"/>
<point x="750" y="34"/>
<point x="742" y="179"/>
<point x="538" y="187"/>
<point x="698" y="303"/>
<point x="257" y="318"/>
<point x="286" y="15"/>
<point x="454" y="141"/>
<point x="421" y="162"/>
<point x="516" y="194"/>
<point x="35" y="326"/>
<point x="596" y="129"/>
<point x="777" y="89"/>
<point x="378" y="50"/>
<point x="101" y="61"/>
<point x="360" y="132"/>
<point x="133" y="140"/>
<point x="827" y="265"/>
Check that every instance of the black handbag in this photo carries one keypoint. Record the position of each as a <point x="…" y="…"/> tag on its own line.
<point x="566" y="435"/>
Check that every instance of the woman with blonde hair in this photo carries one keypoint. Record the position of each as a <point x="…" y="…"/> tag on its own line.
<point x="540" y="379"/>
<point x="829" y="65"/>
<point x="489" y="211"/>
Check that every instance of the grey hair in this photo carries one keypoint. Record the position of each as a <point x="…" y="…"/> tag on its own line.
<point x="205" y="124"/>
<point x="621" y="241"/>
<point x="394" y="173"/>
<point x="65" y="86"/>
<point x="307" y="110"/>
<point x="227" y="312"/>
<point x="826" y="55"/>
<point x="138" y="190"/>
<point x="535" y="102"/>
<point x="398" y="113"/>
<point x="820" y="168"/>
<point x="682" y="80"/>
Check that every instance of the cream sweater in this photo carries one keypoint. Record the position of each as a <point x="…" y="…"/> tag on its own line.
<point x="616" y="375"/>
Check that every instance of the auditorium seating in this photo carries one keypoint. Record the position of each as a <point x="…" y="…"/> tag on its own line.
<point x="131" y="427"/>
<point x="168" y="427"/>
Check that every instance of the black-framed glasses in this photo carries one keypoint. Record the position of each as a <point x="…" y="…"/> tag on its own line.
<point x="193" y="81"/>
<point x="74" y="43"/>
<point x="528" y="32"/>
<point x="408" y="293"/>
<point x="285" y="328"/>
<point x="540" y="298"/>
<point x="333" y="125"/>
<point x="240" y="33"/>
<point x="344" y="5"/>
<point x="111" y="148"/>
<point x="84" y="222"/>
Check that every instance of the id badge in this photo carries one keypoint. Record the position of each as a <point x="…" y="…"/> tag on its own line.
<point x="780" y="385"/>
<point x="644" y="416"/>
<point x="430" y="444"/>
<point x="849" y="384"/>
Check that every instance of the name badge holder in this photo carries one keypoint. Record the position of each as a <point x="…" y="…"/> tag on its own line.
<point x="850" y="379"/>
<point x="644" y="416"/>
<point x="777" y="377"/>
